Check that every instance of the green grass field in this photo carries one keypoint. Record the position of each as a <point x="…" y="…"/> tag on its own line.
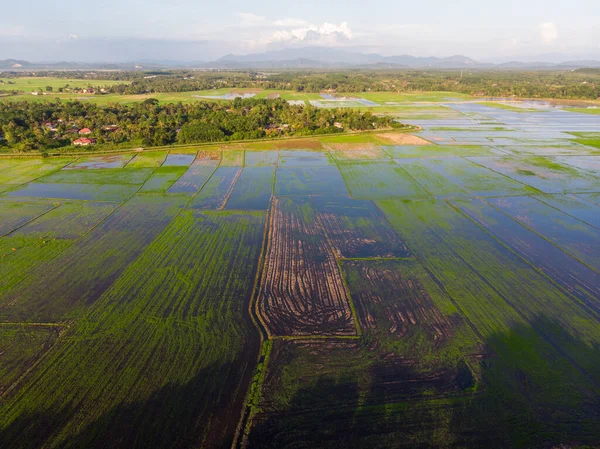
<point x="27" y="85"/>
<point x="508" y="107"/>
<point x="594" y="111"/>
<point x="33" y="84"/>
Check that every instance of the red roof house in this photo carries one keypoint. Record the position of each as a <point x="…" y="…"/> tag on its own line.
<point x="84" y="141"/>
<point x="85" y="132"/>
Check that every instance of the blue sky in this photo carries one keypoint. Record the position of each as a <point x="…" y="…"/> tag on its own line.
<point x="200" y="30"/>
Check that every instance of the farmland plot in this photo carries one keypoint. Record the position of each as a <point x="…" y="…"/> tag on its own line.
<point x="408" y="314"/>
<point x="380" y="180"/>
<point x="578" y="279"/>
<point x="179" y="160"/>
<point x="399" y="152"/>
<point x="543" y="173"/>
<point x="195" y="177"/>
<point x="302" y="291"/>
<point x="304" y="158"/>
<point x="232" y="158"/>
<point x="135" y="176"/>
<point x="572" y="235"/>
<point x="546" y="150"/>
<point x="162" y="359"/>
<point x="16" y="214"/>
<point x="357" y="229"/>
<point x="528" y="293"/>
<point x="574" y="206"/>
<point x="94" y="192"/>
<point x="162" y="179"/>
<point x="66" y="286"/>
<point x="253" y="189"/>
<point x="96" y="162"/>
<point x="432" y="181"/>
<point x="20" y="171"/>
<point x="209" y="155"/>
<point x="591" y="197"/>
<point x="309" y="181"/>
<point x="357" y="152"/>
<point x="340" y="394"/>
<point x="551" y="380"/>
<point x="258" y="158"/>
<point x="20" y="348"/>
<point x="587" y="163"/>
<point x="45" y="237"/>
<point x="216" y="191"/>
<point x="150" y="159"/>
<point x="475" y="178"/>
<point x="69" y="220"/>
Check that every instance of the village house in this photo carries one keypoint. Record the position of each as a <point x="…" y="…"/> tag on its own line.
<point x="85" y="132"/>
<point x="338" y="125"/>
<point x="51" y="126"/>
<point x="84" y="141"/>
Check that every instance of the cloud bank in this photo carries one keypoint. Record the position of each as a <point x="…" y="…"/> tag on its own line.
<point x="325" y="34"/>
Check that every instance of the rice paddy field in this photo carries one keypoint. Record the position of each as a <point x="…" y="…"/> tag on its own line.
<point x="368" y="290"/>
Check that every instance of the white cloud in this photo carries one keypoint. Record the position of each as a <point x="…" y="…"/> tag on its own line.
<point x="73" y="37"/>
<point x="327" y="33"/>
<point x="250" y="19"/>
<point x="290" y="23"/>
<point x="548" y="32"/>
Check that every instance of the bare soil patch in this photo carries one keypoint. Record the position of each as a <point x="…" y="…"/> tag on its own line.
<point x="402" y="139"/>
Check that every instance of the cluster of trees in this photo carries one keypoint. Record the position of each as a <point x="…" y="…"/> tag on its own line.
<point x="31" y="126"/>
<point x="579" y="84"/>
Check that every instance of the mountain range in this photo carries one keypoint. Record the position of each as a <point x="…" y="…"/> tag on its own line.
<point x="305" y="58"/>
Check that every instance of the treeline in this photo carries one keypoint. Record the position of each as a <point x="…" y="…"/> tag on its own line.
<point x="28" y="126"/>
<point x="580" y="84"/>
<point x="577" y="84"/>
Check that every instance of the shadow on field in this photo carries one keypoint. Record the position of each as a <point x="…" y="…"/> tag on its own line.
<point x="522" y="400"/>
<point x="197" y="414"/>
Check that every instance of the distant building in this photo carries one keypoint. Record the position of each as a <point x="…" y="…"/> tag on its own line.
<point x="338" y="125"/>
<point x="110" y="128"/>
<point x="85" y="132"/>
<point x="84" y="141"/>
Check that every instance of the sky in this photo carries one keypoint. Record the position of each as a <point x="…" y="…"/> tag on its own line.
<point x="199" y="30"/>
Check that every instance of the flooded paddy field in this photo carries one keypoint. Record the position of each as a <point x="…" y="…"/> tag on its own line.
<point x="335" y="292"/>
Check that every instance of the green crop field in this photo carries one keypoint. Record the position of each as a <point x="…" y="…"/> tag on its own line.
<point x="31" y="84"/>
<point x="432" y="289"/>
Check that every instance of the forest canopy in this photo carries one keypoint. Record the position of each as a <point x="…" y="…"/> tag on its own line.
<point x="29" y="126"/>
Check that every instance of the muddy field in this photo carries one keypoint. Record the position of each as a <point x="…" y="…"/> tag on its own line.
<point x="302" y="290"/>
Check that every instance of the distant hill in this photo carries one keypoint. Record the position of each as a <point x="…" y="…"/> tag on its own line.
<point x="9" y="64"/>
<point x="18" y="65"/>
<point x="324" y="56"/>
<point x="306" y="58"/>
